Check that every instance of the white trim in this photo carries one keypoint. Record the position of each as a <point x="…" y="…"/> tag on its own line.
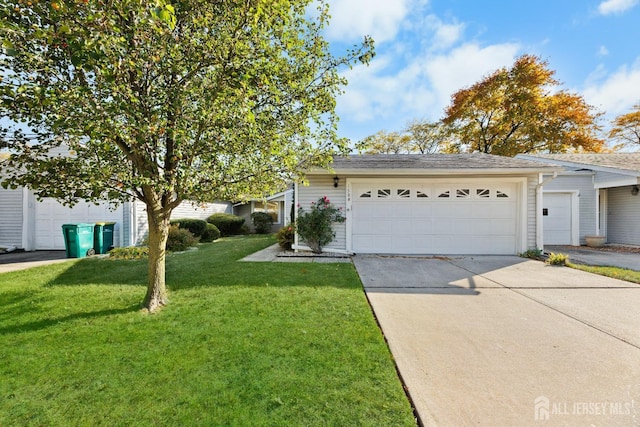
<point x="617" y="183"/>
<point x="521" y="188"/>
<point x="295" y="215"/>
<point x="26" y="244"/>
<point x="349" y="214"/>
<point x="575" y="213"/>
<point x="603" y="208"/>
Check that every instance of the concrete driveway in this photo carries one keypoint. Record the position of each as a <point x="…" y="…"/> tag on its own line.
<point x="501" y="341"/>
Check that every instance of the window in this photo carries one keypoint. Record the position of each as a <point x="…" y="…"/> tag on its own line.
<point x="462" y="193"/>
<point x="366" y="195"/>
<point x="501" y="195"/>
<point x="421" y="194"/>
<point x="483" y="193"/>
<point x="445" y="194"/>
<point x="403" y="193"/>
<point x="272" y="208"/>
<point x="384" y="193"/>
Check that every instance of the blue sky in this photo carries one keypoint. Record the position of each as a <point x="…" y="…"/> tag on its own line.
<point x="428" y="49"/>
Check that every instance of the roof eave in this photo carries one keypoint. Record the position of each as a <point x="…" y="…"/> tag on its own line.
<point x="434" y="172"/>
<point x="567" y="163"/>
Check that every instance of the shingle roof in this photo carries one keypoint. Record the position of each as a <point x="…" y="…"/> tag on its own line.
<point x="435" y="161"/>
<point x="624" y="161"/>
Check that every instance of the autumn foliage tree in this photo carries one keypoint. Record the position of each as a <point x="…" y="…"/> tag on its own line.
<point x="521" y="110"/>
<point x="166" y="101"/>
<point x="626" y="128"/>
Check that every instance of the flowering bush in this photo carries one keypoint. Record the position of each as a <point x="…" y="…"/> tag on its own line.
<point x="314" y="226"/>
<point x="285" y="236"/>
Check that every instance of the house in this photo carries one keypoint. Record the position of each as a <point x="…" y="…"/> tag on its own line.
<point x="279" y="205"/>
<point x="37" y="225"/>
<point x="431" y="203"/>
<point x="594" y="194"/>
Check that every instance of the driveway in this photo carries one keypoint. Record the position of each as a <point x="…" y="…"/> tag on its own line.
<point x="22" y="260"/>
<point x="502" y="341"/>
<point x="584" y="255"/>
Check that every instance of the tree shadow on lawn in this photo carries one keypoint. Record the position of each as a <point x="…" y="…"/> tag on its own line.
<point x="185" y="275"/>
<point x="46" y="323"/>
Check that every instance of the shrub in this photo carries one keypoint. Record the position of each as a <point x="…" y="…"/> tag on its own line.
<point x="210" y="234"/>
<point x="129" y="253"/>
<point x="180" y="239"/>
<point x="558" y="259"/>
<point x="228" y="224"/>
<point x="262" y="222"/>
<point x="286" y="236"/>
<point x="196" y="226"/>
<point x="315" y="226"/>
<point x="532" y="253"/>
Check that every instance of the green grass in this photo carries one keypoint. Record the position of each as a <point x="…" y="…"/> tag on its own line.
<point x="240" y="344"/>
<point x="614" y="272"/>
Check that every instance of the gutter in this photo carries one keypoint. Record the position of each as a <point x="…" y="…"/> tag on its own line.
<point x="539" y="229"/>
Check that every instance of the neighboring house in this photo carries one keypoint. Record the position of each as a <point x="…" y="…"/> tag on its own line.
<point x="595" y="194"/>
<point x="34" y="225"/>
<point x="431" y="203"/>
<point x="278" y="205"/>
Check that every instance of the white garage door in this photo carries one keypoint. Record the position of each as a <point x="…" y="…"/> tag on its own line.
<point x="556" y="218"/>
<point x="51" y="215"/>
<point x="435" y="218"/>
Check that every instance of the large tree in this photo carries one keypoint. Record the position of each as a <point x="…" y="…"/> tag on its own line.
<point x="166" y="101"/>
<point x="626" y="128"/>
<point x="417" y="137"/>
<point x="522" y="110"/>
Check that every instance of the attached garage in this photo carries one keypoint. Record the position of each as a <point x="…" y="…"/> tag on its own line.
<point x="430" y="204"/>
<point x="431" y="216"/>
<point x="50" y="215"/>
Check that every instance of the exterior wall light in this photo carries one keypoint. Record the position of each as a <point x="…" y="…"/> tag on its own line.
<point x="634" y="190"/>
<point x="336" y="180"/>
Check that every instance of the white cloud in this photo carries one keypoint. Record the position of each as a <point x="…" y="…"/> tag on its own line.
<point x="615" y="6"/>
<point x="420" y="88"/>
<point x="466" y="65"/>
<point x="444" y="35"/>
<point x="614" y="93"/>
<point x="603" y="51"/>
<point x="353" y="19"/>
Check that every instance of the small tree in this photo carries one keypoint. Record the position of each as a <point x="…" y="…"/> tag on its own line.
<point x="315" y="226"/>
<point x="626" y="128"/>
<point x="167" y="101"/>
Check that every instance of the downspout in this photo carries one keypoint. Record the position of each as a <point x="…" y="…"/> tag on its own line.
<point x="539" y="229"/>
<point x="295" y="214"/>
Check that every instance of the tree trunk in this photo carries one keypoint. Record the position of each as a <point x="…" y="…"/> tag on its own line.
<point x="158" y="232"/>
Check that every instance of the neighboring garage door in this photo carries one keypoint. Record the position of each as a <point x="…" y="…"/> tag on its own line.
<point x="435" y="218"/>
<point x="50" y="215"/>
<point x="556" y="218"/>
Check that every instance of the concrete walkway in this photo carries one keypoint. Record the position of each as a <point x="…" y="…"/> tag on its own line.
<point x="14" y="261"/>
<point x="505" y="341"/>
<point x="627" y="260"/>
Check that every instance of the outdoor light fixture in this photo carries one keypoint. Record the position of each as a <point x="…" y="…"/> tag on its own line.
<point x="634" y="190"/>
<point x="335" y="181"/>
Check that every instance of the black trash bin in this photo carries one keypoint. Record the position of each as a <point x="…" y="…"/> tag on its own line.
<point x="103" y="237"/>
<point x="78" y="240"/>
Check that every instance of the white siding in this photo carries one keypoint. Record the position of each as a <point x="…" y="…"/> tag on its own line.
<point x="319" y="186"/>
<point x="587" y="199"/>
<point x="623" y="219"/>
<point x="11" y="217"/>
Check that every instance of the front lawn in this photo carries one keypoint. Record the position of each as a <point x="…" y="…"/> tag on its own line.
<point x="240" y="344"/>
<point x="615" y="272"/>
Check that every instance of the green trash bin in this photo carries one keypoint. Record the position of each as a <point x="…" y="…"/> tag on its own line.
<point x="103" y="237"/>
<point x="78" y="240"/>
